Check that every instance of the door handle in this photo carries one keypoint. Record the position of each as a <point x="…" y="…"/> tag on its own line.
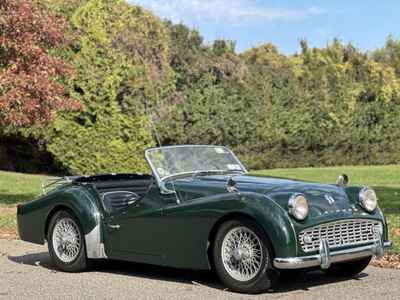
<point x="116" y="226"/>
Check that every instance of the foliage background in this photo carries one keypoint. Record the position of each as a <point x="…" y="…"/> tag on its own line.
<point x="325" y="106"/>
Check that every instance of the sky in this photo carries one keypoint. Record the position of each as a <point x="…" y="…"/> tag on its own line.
<point x="364" y="23"/>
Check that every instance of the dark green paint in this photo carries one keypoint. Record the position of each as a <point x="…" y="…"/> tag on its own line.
<point x="158" y="230"/>
<point x="34" y="216"/>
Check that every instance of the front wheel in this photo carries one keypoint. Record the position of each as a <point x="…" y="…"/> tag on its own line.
<point x="66" y="243"/>
<point x="242" y="257"/>
<point x="349" y="269"/>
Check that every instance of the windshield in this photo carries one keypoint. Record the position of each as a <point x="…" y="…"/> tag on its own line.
<point x="173" y="161"/>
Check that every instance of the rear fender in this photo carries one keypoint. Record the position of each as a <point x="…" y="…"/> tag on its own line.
<point x="34" y="217"/>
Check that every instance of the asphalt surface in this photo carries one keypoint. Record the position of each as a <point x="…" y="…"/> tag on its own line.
<point x="26" y="272"/>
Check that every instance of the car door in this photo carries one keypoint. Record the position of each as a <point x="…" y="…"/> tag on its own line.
<point x="136" y="233"/>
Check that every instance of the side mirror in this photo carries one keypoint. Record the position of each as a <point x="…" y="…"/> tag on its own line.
<point x="231" y="186"/>
<point x="169" y="190"/>
<point x="342" y="180"/>
<point x="166" y="190"/>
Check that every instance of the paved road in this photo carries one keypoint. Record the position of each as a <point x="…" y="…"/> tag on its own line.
<point x="26" y="272"/>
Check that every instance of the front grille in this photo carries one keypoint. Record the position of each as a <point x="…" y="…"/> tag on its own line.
<point x="340" y="233"/>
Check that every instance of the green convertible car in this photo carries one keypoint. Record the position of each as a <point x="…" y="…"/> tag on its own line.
<point x="200" y="210"/>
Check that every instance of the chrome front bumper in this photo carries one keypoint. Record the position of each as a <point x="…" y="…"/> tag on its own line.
<point x="325" y="257"/>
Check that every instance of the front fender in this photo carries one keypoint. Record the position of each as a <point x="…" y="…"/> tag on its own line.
<point x="275" y="222"/>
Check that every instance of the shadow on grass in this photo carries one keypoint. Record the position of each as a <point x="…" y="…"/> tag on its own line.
<point x="303" y="281"/>
<point x="389" y="199"/>
<point x="13" y="199"/>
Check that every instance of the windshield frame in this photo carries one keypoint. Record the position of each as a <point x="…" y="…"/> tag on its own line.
<point x="161" y="181"/>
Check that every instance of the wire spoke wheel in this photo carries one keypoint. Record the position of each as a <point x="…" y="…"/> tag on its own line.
<point x="66" y="240"/>
<point x="242" y="254"/>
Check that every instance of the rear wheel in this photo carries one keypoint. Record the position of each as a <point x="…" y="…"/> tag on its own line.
<point x="349" y="269"/>
<point x="242" y="257"/>
<point x="66" y="243"/>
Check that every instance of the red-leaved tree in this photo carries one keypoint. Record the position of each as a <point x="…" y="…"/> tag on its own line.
<point x="30" y="88"/>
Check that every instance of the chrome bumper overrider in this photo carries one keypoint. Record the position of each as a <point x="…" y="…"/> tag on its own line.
<point x="325" y="257"/>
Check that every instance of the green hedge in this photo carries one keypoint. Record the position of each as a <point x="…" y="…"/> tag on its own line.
<point x="322" y="106"/>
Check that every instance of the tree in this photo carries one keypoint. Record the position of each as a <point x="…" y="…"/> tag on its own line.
<point x="30" y="88"/>
<point x="120" y="57"/>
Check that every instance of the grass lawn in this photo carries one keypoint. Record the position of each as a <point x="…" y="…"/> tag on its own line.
<point x="17" y="188"/>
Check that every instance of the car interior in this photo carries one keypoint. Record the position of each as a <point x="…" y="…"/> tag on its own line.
<point x="118" y="191"/>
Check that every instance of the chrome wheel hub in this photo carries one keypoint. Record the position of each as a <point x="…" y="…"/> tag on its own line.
<point x="66" y="240"/>
<point x="242" y="253"/>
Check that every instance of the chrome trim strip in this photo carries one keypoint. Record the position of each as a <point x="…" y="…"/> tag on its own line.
<point x="94" y="246"/>
<point x="334" y="257"/>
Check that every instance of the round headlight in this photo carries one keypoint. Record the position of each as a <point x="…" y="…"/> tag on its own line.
<point x="298" y="206"/>
<point x="368" y="199"/>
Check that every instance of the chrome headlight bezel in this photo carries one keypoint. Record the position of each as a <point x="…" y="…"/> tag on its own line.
<point x="298" y="206"/>
<point x="368" y="199"/>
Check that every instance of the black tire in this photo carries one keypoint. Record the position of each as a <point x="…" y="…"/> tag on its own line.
<point x="79" y="263"/>
<point x="266" y="275"/>
<point x="349" y="269"/>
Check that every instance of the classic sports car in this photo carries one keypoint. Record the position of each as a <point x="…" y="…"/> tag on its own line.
<point x="200" y="210"/>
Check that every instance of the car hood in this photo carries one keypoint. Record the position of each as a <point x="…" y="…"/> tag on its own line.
<point x="322" y="197"/>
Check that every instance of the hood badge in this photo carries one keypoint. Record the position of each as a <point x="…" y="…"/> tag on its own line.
<point x="330" y="199"/>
